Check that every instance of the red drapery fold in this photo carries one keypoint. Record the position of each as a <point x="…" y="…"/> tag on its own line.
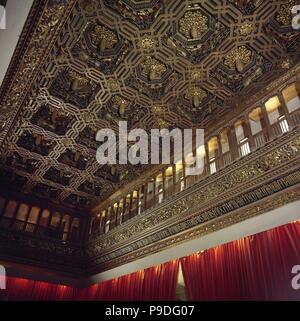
<point x="160" y="282"/>
<point x="253" y="268"/>
<point x="23" y="289"/>
<point x="151" y="284"/>
<point x="128" y="287"/>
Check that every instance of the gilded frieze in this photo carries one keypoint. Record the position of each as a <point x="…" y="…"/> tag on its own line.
<point x="207" y="193"/>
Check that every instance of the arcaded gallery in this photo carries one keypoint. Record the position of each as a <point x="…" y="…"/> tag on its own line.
<point x="140" y="228"/>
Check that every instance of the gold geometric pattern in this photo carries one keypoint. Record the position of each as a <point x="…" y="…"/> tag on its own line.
<point x="193" y="24"/>
<point x="120" y="103"/>
<point x="77" y="80"/>
<point x="285" y="15"/>
<point x="89" y="59"/>
<point x="286" y="63"/>
<point x="147" y="42"/>
<point x="238" y="58"/>
<point x="246" y="29"/>
<point x="113" y="84"/>
<point x="152" y="68"/>
<point x="103" y="38"/>
<point x="197" y="94"/>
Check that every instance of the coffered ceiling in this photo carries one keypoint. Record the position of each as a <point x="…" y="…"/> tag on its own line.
<point x="87" y="64"/>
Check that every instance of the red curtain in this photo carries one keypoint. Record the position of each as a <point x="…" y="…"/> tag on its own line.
<point x="160" y="282"/>
<point x="253" y="268"/>
<point x="23" y="289"/>
<point x="127" y="287"/>
<point x="150" y="284"/>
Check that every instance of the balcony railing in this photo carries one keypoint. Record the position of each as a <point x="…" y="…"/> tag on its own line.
<point x="286" y="121"/>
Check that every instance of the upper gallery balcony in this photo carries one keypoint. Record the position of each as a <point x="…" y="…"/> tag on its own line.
<point x="259" y="125"/>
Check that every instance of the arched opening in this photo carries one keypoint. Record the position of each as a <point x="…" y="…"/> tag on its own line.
<point x="65" y="226"/>
<point x="243" y="141"/>
<point x="291" y="98"/>
<point x="75" y="229"/>
<point x="32" y="219"/>
<point x="213" y="154"/>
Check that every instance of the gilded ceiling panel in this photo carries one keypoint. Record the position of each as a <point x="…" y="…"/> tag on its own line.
<point x="90" y="63"/>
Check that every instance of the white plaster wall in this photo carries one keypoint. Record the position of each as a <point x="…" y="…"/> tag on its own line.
<point x="16" y="14"/>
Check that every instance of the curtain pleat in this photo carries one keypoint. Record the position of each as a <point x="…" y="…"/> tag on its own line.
<point x="161" y="280"/>
<point x="257" y="267"/>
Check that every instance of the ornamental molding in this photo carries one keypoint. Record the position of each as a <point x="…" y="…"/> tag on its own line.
<point x="262" y="174"/>
<point x="233" y="177"/>
<point x="42" y="28"/>
<point x="266" y="205"/>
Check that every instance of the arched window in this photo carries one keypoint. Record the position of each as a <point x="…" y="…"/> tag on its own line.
<point x="106" y="229"/>
<point x="21" y="216"/>
<point x="239" y="131"/>
<point x="201" y="156"/>
<point x="179" y="177"/>
<point x="44" y="218"/>
<point x="102" y="220"/>
<point x="169" y="180"/>
<point x="224" y="137"/>
<point x="10" y="209"/>
<point x="159" y="188"/>
<point x="55" y="220"/>
<point x="243" y="143"/>
<point x="114" y="212"/>
<point x="255" y="117"/>
<point x="65" y="225"/>
<point x="276" y="115"/>
<point x="22" y="212"/>
<point x="291" y="98"/>
<point x="75" y="228"/>
<point x="193" y="167"/>
<point x="109" y="213"/>
<point x="134" y="203"/>
<point x="92" y="225"/>
<point x="53" y="230"/>
<point x="32" y="219"/>
<point x="273" y="109"/>
<point x="127" y="207"/>
<point x="121" y="211"/>
<point x="150" y="193"/>
<point x="212" y="154"/>
<point x="141" y="200"/>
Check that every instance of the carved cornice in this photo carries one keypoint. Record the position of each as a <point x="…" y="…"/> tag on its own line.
<point x="213" y="225"/>
<point x="261" y="174"/>
<point x="41" y="30"/>
<point x="232" y="177"/>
